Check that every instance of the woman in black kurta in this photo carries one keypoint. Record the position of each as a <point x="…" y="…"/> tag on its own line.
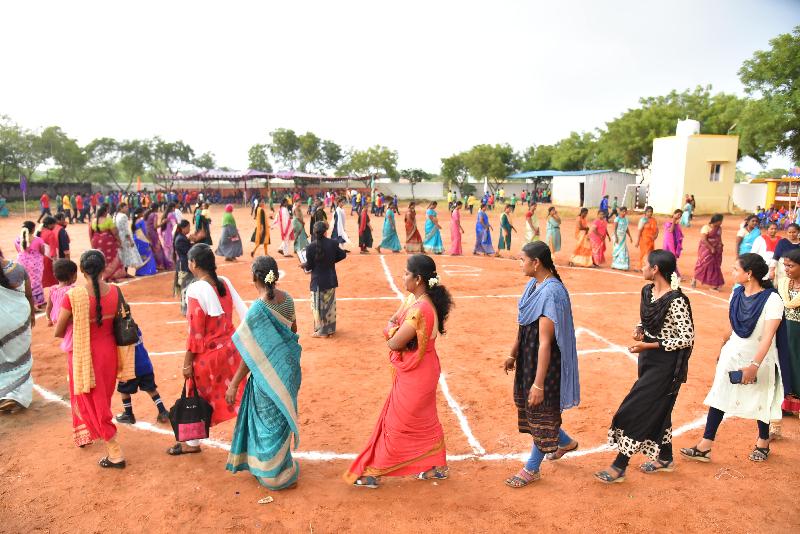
<point x="664" y="340"/>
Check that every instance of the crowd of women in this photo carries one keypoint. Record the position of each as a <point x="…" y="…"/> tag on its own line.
<point x="252" y="372"/>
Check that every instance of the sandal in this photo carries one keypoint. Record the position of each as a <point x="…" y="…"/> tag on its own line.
<point x="658" y="465"/>
<point x="607" y="478"/>
<point x="177" y="450"/>
<point x="437" y="473"/>
<point x="523" y="478"/>
<point x="693" y="453"/>
<point x="561" y="451"/>
<point x="759" y="454"/>
<point x="108" y="464"/>
<point x="10" y="406"/>
<point x="366" y="482"/>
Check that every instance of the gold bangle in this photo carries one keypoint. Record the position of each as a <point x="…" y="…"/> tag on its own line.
<point x="537" y="387"/>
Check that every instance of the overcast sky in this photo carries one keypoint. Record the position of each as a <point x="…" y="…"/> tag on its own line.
<point x="426" y="78"/>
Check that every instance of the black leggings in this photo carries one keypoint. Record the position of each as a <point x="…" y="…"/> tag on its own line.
<point x="715" y="418"/>
<point x="664" y="455"/>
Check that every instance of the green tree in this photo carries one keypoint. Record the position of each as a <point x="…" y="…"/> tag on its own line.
<point x="65" y="153"/>
<point x="493" y="163"/>
<point x="103" y="156"/>
<point x="772" y="77"/>
<point x="372" y="162"/>
<point x="166" y="159"/>
<point x="135" y="159"/>
<point x="414" y="176"/>
<point x="332" y="155"/>
<point x="285" y="147"/>
<point x="309" y="151"/>
<point x="455" y="172"/>
<point x="205" y="161"/>
<point x="537" y="158"/>
<point x="258" y="158"/>
<point x="576" y="152"/>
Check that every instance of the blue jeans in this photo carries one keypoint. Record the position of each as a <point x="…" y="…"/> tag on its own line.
<point x="537" y="455"/>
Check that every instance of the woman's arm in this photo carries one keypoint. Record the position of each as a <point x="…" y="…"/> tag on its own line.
<point x="48" y="309"/>
<point x="64" y="317"/>
<point x="402" y="337"/>
<point x="241" y="372"/>
<point x="738" y="243"/>
<point x="29" y="296"/>
<point x="511" y="361"/>
<point x="547" y="333"/>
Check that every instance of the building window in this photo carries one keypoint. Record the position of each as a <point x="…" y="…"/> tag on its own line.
<point x="716" y="172"/>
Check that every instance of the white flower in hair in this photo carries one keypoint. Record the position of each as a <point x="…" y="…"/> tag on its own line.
<point x="433" y="281"/>
<point x="270" y="278"/>
<point x="674" y="281"/>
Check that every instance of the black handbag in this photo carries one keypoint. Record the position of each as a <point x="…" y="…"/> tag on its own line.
<point x="126" y="332"/>
<point x="190" y="416"/>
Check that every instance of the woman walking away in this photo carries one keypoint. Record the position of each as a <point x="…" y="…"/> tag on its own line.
<point x="620" y="259"/>
<point x="18" y="312"/>
<point x="364" y="230"/>
<point x="105" y="238"/>
<point x="789" y="290"/>
<point x="267" y="427"/>
<point x="790" y="242"/>
<point x="686" y="213"/>
<point x="708" y="269"/>
<point x="413" y="237"/>
<point x="152" y="224"/>
<point x="183" y="276"/>
<point x="30" y="248"/>
<point x="648" y="233"/>
<point x="433" y="231"/>
<point x="598" y="234"/>
<point x="211" y="359"/>
<point x="128" y="253"/>
<point x="230" y="243"/>
<point x="673" y="237"/>
<point x="553" y="230"/>
<point x="390" y="238"/>
<point x="408" y="437"/>
<point x="483" y="234"/>
<point x="532" y="232"/>
<point x="545" y="363"/>
<point x="456" y="230"/>
<point x="582" y="255"/>
<point x="261" y="233"/>
<point x="663" y="340"/>
<point x="747" y="235"/>
<point x="747" y="382"/>
<point x="284" y="223"/>
<point x="139" y="229"/>
<point x="322" y="255"/>
<point x="506" y="228"/>
<point x="299" y="230"/>
<point x="166" y="230"/>
<point x="95" y="363"/>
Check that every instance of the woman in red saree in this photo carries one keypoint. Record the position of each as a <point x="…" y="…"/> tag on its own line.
<point x="95" y="363"/>
<point x="598" y="236"/>
<point x="105" y="238"/>
<point x="211" y="358"/>
<point x="413" y="237"/>
<point x="582" y="256"/>
<point x="408" y="437"/>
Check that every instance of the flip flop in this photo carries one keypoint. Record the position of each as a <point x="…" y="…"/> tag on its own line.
<point x="177" y="450"/>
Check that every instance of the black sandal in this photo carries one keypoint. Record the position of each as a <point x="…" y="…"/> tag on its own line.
<point x="759" y="454"/>
<point x="607" y="478"/>
<point x="108" y="464"/>
<point x="693" y="453"/>
<point x="177" y="450"/>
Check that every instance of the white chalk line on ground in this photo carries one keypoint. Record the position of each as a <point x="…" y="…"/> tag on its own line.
<point x="477" y="449"/>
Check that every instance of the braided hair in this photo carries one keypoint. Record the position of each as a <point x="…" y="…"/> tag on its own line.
<point x="538" y="250"/>
<point x="28" y="228"/>
<point x="424" y="267"/>
<point x="261" y="267"/>
<point x="203" y="257"/>
<point x="92" y="265"/>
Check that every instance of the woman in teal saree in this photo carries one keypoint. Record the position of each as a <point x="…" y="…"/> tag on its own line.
<point x="266" y="428"/>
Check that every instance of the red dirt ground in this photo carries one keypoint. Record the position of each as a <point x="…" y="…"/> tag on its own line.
<point x="49" y="485"/>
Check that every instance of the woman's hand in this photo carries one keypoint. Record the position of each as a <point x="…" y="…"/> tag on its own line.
<point x="188" y="372"/>
<point x="638" y="333"/>
<point x="509" y="364"/>
<point x="749" y="374"/>
<point x="535" y="397"/>
<point x="230" y="395"/>
<point x="636" y="348"/>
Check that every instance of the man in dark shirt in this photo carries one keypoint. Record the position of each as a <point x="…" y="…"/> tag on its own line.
<point x="63" y="236"/>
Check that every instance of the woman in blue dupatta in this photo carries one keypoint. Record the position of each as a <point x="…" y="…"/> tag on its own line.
<point x="267" y="428"/>
<point x="483" y="233"/>
<point x="433" y="231"/>
<point x="390" y="238"/>
<point x="545" y="361"/>
<point x="747" y="235"/>
<point x="139" y="229"/>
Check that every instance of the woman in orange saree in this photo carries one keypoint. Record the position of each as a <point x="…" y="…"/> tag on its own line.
<point x="582" y="256"/>
<point x="648" y="233"/>
<point x="408" y="437"/>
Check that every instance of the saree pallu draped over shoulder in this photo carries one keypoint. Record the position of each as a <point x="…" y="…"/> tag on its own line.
<point x="408" y="437"/>
<point x="267" y="428"/>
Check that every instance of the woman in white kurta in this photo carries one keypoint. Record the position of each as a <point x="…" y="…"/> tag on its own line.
<point x="750" y="350"/>
<point x="284" y="223"/>
<point x="128" y="253"/>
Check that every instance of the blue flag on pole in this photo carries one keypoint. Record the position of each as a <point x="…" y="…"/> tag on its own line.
<point x="23" y="183"/>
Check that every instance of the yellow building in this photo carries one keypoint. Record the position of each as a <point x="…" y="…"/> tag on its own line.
<point x="689" y="163"/>
<point x="781" y="192"/>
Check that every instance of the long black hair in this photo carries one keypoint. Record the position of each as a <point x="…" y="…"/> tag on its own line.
<point x="261" y="267"/>
<point x="136" y="213"/>
<point x="665" y="261"/>
<point x="538" y="250"/>
<point x="793" y="255"/>
<point x="92" y="264"/>
<point x="183" y="224"/>
<point x="320" y="227"/>
<point x="28" y="227"/>
<point x="203" y="257"/>
<point x="424" y="267"/>
<point x="757" y="267"/>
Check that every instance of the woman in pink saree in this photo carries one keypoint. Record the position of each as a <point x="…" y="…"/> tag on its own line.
<point x="163" y="263"/>
<point x="167" y="229"/>
<point x="408" y="437"/>
<point x="598" y="234"/>
<point x="456" y="230"/>
<point x="708" y="269"/>
<point x="673" y="236"/>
